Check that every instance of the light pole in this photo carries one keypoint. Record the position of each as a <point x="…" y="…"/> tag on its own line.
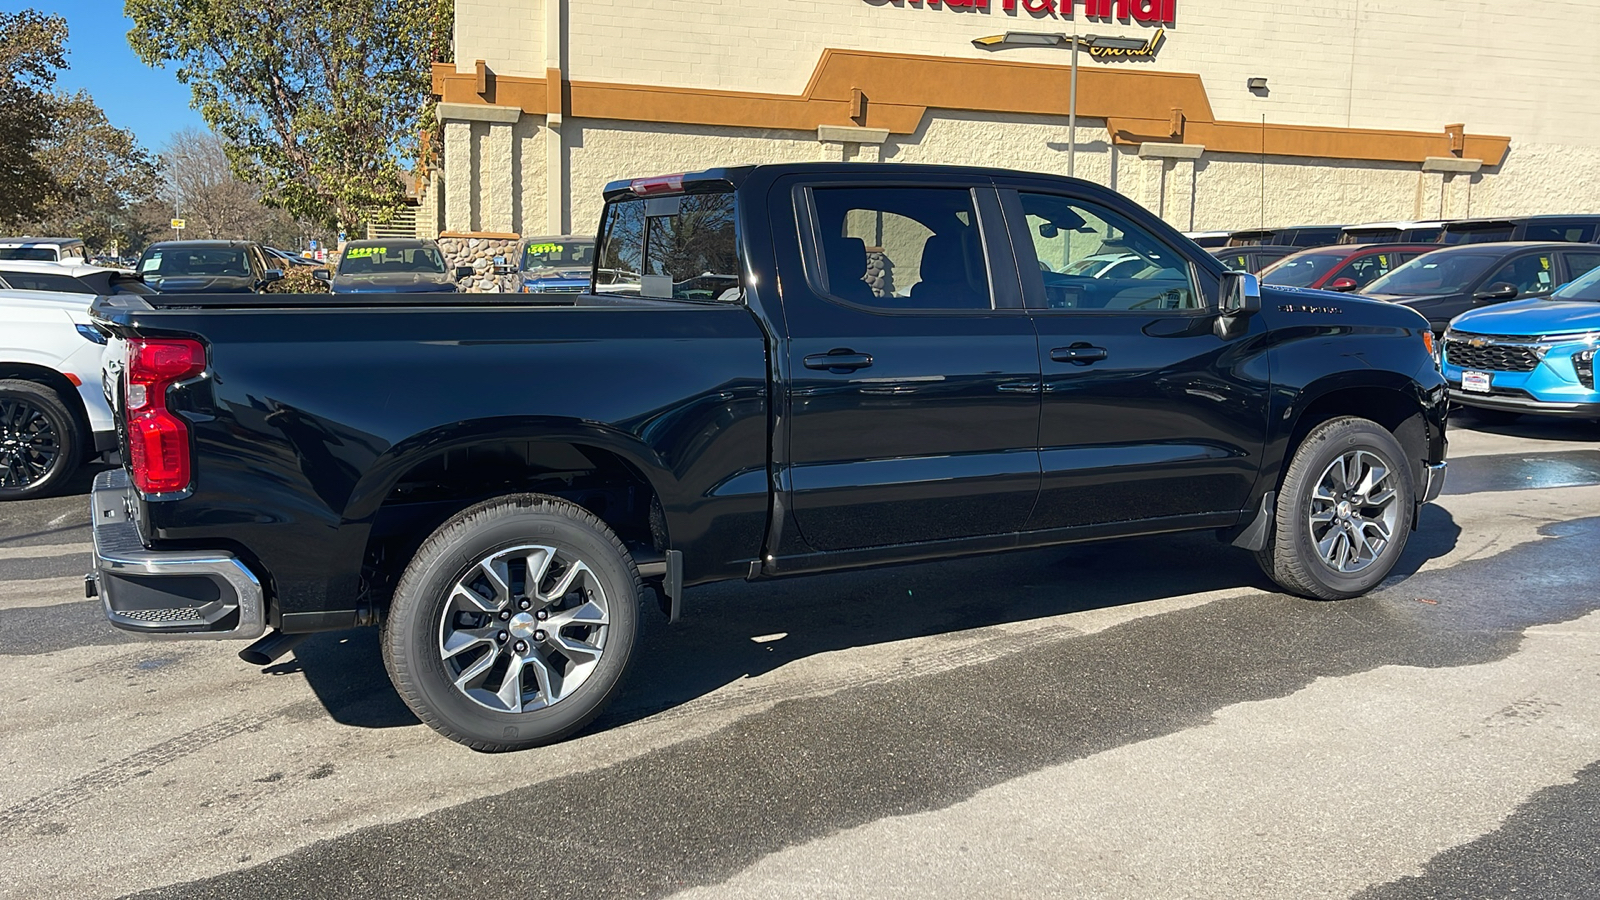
<point x="1057" y="39"/>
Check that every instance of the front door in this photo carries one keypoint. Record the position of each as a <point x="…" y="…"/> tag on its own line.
<point x="1146" y="413"/>
<point x="914" y="372"/>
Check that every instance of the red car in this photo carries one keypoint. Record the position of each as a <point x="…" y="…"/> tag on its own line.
<point x="1342" y="267"/>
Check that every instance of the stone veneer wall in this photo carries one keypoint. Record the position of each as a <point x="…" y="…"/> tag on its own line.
<point x="479" y="253"/>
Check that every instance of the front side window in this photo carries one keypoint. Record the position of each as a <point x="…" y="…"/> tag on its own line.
<point x="1367" y="269"/>
<point x="902" y="248"/>
<point x="677" y="247"/>
<point x="1530" y="275"/>
<point x="1489" y="235"/>
<point x="1572" y="234"/>
<point x="1581" y="264"/>
<point x="1435" y="273"/>
<point x="1147" y="275"/>
<point x="1300" y="270"/>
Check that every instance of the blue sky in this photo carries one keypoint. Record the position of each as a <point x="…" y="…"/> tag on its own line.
<point x="148" y="101"/>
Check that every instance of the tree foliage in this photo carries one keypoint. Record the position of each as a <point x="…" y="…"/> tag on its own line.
<point x="216" y="204"/>
<point x="32" y="51"/>
<point x="322" y="103"/>
<point x="100" y="173"/>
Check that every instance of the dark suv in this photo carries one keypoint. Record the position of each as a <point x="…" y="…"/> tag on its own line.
<point x="210" y="267"/>
<point x="1565" y="229"/>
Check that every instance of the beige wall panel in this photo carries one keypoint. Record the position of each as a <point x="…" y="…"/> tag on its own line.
<point x="508" y="35"/>
<point x="1539" y="179"/>
<point x="529" y="176"/>
<point x="1228" y="192"/>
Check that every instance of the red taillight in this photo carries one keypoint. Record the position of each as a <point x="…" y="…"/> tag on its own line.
<point x="158" y="440"/>
<point x="662" y="184"/>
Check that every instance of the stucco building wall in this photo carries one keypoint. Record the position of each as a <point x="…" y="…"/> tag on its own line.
<point x="1350" y="67"/>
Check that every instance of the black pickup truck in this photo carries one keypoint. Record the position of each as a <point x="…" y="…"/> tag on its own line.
<point x="809" y="368"/>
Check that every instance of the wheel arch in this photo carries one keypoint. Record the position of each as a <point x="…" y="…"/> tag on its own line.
<point x="64" y="389"/>
<point x="1393" y="401"/>
<point x="425" y="480"/>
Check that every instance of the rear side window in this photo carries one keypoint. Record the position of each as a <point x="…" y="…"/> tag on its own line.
<point x="678" y="247"/>
<point x="901" y="248"/>
<point x="1581" y="264"/>
<point x="1572" y="234"/>
<point x="30" y="281"/>
<point x="1478" y="235"/>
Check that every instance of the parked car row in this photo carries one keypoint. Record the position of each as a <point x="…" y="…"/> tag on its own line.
<point x="1576" y="229"/>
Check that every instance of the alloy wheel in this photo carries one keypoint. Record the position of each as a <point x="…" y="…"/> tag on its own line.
<point x="524" y="628"/>
<point x="1353" y="511"/>
<point x="29" y="444"/>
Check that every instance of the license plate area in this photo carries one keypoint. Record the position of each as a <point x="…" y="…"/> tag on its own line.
<point x="1476" y="382"/>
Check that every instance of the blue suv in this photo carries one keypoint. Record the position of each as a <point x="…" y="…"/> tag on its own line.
<point x="1528" y="356"/>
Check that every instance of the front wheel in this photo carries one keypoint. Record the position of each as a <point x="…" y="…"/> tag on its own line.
<point x="514" y="624"/>
<point x="1344" y="512"/>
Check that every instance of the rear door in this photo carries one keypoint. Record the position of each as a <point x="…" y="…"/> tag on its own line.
<point x="913" y="406"/>
<point x="1146" y="413"/>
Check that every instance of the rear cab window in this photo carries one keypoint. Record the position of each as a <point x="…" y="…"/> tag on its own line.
<point x="665" y="245"/>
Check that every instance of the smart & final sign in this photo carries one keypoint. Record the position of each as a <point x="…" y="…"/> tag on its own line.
<point x="1145" y="12"/>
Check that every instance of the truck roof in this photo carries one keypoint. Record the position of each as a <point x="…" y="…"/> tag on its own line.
<point x="724" y="177"/>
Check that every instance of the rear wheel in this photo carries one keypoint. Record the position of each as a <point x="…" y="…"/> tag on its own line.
<point x="40" y="444"/>
<point x="514" y="624"/>
<point x="1344" y="513"/>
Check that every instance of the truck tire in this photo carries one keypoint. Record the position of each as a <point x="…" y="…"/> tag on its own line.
<point x="40" y="442"/>
<point x="514" y="623"/>
<point x="1344" y="512"/>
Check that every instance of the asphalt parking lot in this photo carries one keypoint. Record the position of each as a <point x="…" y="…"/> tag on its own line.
<point x="1142" y="720"/>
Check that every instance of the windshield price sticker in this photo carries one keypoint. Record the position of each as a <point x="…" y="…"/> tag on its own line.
<point x="546" y="248"/>
<point x="358" y="252"/>
<point x="1477" y="382"/>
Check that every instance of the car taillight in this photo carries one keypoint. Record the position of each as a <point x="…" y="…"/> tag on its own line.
<point x="158" y="440"/>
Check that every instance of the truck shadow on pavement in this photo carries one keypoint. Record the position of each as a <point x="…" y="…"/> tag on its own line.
<point x="825" y="613"/>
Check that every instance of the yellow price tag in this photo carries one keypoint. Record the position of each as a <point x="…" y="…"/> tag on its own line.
<point x="1383" y="260"/>
<point x="545" y="248"/>
<point x="1545" y="262"/>
<point x="358" y="252"/>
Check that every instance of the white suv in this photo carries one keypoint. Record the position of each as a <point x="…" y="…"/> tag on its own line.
<point x="53" y="412"/>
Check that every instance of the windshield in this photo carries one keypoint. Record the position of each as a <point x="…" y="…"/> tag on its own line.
<point x="554" y="254"/>
<point x="1435" y="273"/>
<point x="391" y="261"/>
<point x="204" y="261"/>
<point x="678" y="247"/>
<point x="1302" y="270"/>
<point x="1585" y="288"/>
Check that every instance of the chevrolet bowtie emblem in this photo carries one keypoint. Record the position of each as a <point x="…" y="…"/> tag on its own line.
<point x="1478" y="343"/>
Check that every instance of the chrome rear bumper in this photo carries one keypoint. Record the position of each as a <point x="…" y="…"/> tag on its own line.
<point x="164" y="593"/>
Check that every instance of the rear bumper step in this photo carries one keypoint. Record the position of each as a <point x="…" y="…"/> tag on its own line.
<point x="179" y="594"/>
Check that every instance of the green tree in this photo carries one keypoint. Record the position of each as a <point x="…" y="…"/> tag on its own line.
<point x="324" y="104"/>
<point x="32" y="51"/>
<point x="100" y="172"/>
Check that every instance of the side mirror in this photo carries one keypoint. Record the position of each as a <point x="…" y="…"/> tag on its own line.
<point x="271" y="275"/>
<point x="1241" y="294"/>
<point x="503" y="270"/>
<point x="322" y="274"/>
<point x="463" y="273"/>
<point x="1343" y="285"/>
<point x="1496" y="292"/>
